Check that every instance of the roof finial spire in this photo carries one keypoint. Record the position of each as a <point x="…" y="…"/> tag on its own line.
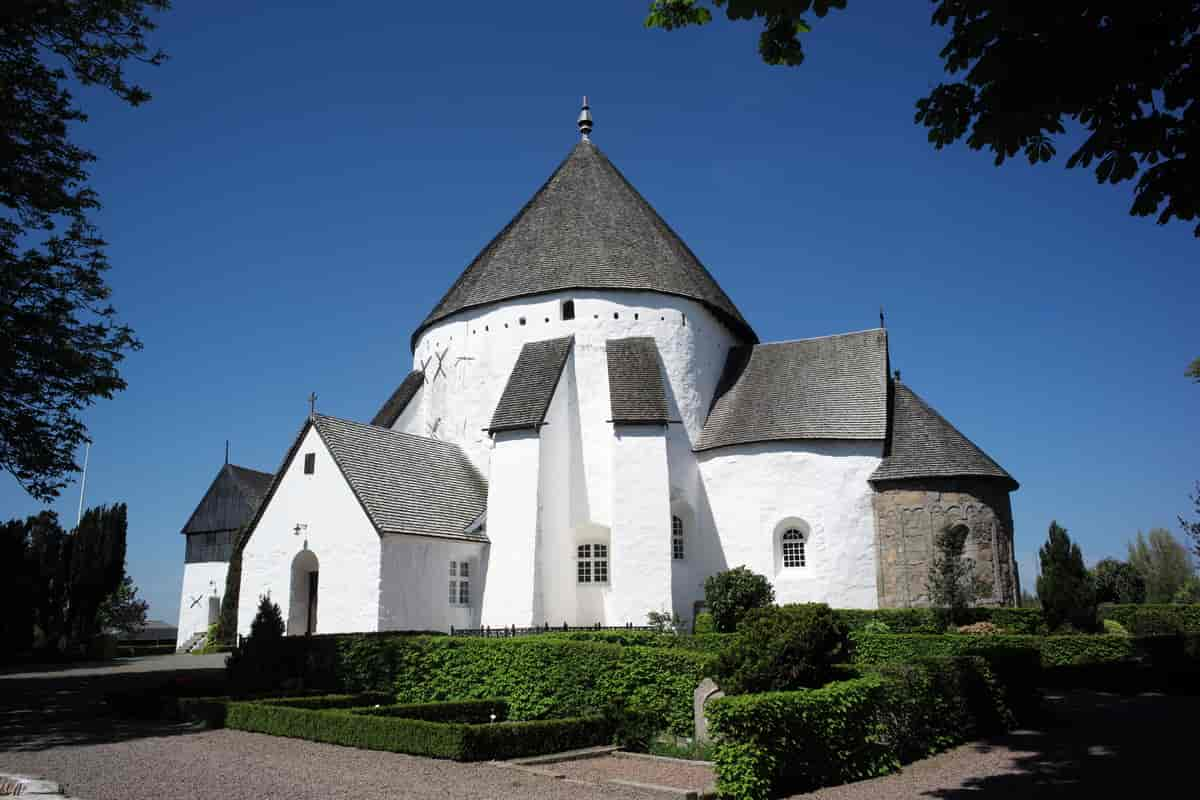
<point x="585" y="121"/>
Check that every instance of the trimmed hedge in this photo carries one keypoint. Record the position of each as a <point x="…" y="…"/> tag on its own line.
<point x="1150" y="620"/>
<point x="1053" y="651"/>
<point x="705" y="643"/>
<point x="924" y="620"/>
<point x="541" y="677"/>
<point x="372" y="730"/>
<point x="781" y="742"/>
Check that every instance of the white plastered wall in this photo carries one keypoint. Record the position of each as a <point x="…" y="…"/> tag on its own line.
<point x="512" y="527"/>
<point x="203" y="581"/>
<point x="640" y="566"/>
<point x="338" y="533"/>
<point x="754" y="490"/>
<point x="416" y="576"/>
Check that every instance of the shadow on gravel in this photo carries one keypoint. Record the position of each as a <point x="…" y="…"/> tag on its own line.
<point x="1093" y="745"/>
<point x="53" y="710"/>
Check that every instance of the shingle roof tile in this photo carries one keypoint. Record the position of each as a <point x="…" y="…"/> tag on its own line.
<point x="526" y="397"/>
<point x="230" y="501"/>
<point x="924" y="444"/>
<point x="395" y="405"/>
<point x="635" y="382"/>
<point x="832" y="387"/>
<point x="586" y="228"/>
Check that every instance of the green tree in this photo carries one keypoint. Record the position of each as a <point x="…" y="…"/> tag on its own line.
<point x="1189" y="592"/>
<point x="732" y="593"/>
<point x="952" y="583"/>
<point x="60" y="341"/>
<point x="96" y="567"/>
<point x="1193" y="370"/>
<point x="48" y="568"/>
<point x="226" y="632"/>
<point x="1118" y="582"/>
<point x="16" y="588"/>
<point x="1065" y="586"/>
<point x="267" y="626"/>
<point x="122" y="610"/>
<point x="1163" y="562"/>
<point x="1126" y="73"/>
<point x="779" y="649"/>
<point x="1192" y="529"/>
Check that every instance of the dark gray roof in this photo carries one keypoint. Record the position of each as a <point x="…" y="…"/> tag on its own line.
<point x="406" y="483"/>
<point x="635" y="382"/>
<point x="395" y="405"/>
<point x="586" y="228"/>
<point x="924" y="444"/>
<point x="531" y="384"/>
<point x="834" y="387"/>
<point x="231" y="500"/>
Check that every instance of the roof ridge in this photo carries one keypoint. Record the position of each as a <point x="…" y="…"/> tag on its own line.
<point x="827" y="336"/>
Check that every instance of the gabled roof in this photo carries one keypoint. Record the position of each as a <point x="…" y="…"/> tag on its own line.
<point x="923" y="444"/>
<point x="526" y="397"/>
<point x="635" y="382"/>
<point x="586" y="228"/>
<point x="395" y="405"/>
<point x="405" y="483"/>
<point x="231" y="500"/>
<point x="832" y="387"/>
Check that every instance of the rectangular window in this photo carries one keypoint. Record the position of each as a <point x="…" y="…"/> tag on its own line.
<point x="310" y="463"/>
<point x="464" y="593"/>
<point x="453" y="592"/>
<point x="464" y="570"/>
<point x="568" y="309"/>
<point x="592" y="563"/>
<point x="453" y="568"/>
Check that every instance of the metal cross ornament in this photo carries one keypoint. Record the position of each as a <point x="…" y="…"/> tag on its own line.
<point x="441" y="357"/>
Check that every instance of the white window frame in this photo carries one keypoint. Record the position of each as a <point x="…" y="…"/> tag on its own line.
<point x="678" y="553"/>
<point x="793" y="535"/>
<point x="459" y="593"/>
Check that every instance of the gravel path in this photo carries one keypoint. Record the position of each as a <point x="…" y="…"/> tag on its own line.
<point x="52" y="725"/>
<point x="676" y="774"/>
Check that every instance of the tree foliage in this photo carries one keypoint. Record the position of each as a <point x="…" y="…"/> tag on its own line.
<point x="1065" y="586"/>
<point x="1163" y="562"/>
<point x="952" y="583"/>
<point x="122" y="610"/>
<point x="1127" y="73"/>
<point x="69" y="580"/>
<point x="1118" y="582"/>
<point x="1192" y="529"/>
<point x="60" y="341"/>
<point x="732" y="593"/>
<point x="780" y="649"/>
<point x="267" y="626"/>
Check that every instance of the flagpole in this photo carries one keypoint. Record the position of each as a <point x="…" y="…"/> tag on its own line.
<point x="83" y="483"/>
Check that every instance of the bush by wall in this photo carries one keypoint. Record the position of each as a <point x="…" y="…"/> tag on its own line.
<point x="541" y="677"/>
<point x="779" y="742"/>
<point x="783" y="648"/>
<point x="703" y="624"/>
<point x="1151" y="620"/>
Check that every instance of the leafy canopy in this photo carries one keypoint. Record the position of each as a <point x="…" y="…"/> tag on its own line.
<point x="1126" y="72"/>
<point x="1118" y="582"/>
<point x="1163" y="563"/>
<point x="781" y="649"/>
<point x="733" y="593"/>
<point x="60" y="341"/>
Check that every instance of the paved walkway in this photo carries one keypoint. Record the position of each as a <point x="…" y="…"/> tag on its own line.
<point x="52" y="725"/>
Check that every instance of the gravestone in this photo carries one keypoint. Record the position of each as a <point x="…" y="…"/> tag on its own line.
<point x="707" y="690"/>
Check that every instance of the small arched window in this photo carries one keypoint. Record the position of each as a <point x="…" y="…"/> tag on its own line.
<point x="676" y="538"/>
<point x="793" y="548"/>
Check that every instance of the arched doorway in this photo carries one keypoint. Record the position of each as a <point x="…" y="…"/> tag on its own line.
<point x="302" y="611"/>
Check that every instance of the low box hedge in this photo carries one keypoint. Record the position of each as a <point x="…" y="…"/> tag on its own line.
<point x="541" y="677"/>
<point x="1152" y="620"/>
<point x="923" y="620"/>
<point x="780" y="742"/>
<point x="380" y="729"/>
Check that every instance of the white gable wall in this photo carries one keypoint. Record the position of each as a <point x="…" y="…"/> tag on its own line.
<point x="756" y="489"/>
<point x="339" y="534"/>
<point x="203" y="582"/>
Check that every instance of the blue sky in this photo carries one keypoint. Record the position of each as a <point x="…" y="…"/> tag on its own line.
<point x="308" y="182"/>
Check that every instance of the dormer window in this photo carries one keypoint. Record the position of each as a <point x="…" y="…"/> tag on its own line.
<point x="568" y="309"/>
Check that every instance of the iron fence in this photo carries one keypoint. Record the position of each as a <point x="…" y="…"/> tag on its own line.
<point x="513" y="630"/>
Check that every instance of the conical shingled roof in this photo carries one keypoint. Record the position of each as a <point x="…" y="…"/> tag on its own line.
<point x="586" y="228"/>
<point x="924" y="444"/>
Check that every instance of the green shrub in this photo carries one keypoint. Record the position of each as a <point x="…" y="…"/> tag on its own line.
<point x="729" y="595"/>
<point x="1118" y="582"/>
<point x="1114" y="628"/>
<point x="780" y="649"/>
<point x="260" y="664"/>
<point x="370" y="729"/>
<point x="317" y="702"/>
<point x="923" y="620"/>
<point x="778" y="742"/>
<point x="472" y="712"/>
<point x="709" y="643"/>
<point x="1065" y="586"/>
<point x="1154" y="620"/>
<point x="876" y="626"/>
<point x="541" y="677"/>
<point x="1053" y="651"/>
<point x="703" y="624"/>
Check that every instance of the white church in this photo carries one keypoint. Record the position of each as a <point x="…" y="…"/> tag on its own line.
<point x="589" y="429"/>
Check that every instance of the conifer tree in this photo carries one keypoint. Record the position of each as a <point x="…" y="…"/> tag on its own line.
<point x="1065" y="585"/>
